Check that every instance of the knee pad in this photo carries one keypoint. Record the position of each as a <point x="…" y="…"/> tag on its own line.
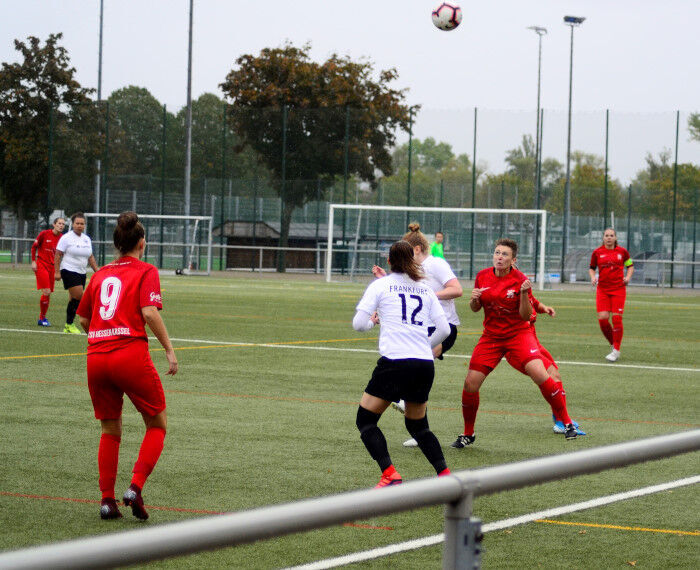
<point x="417" y="427"/>
<point x="365" y="419"/>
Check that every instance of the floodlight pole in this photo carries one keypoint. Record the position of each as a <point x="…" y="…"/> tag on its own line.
<point x="540" y="31"/>
<point x="572" y="22"/>
<point x="99" y="98"/>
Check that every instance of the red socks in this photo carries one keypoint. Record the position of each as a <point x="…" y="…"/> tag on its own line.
<point x="563" y="393"/>
<point x="553" y="392"/>
<point x="617" y="331"/>
<point x="43" y="306"/>
<point x="150" y="451"/>
<point x="607" y="329"/>
<point x="107" y="462"/>
<point x="470" y="405"/>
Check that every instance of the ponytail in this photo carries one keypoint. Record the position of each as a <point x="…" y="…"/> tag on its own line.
<point x="402" y="261"/>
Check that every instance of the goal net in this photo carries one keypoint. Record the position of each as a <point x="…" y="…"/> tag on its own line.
<point x="359" y="236"/>
<point x="179" y="243"/>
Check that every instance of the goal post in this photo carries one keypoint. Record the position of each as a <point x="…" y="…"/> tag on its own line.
<point x="191" y="254"/>
<point x="478" y="218"/>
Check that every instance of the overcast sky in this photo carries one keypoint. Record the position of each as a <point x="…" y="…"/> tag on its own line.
<point x="638" y="58"/>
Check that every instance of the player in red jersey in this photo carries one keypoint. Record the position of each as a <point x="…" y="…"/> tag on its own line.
<point x="503" y="292"/>
<point x="611" y="260"/>
<point x="119" y="301"/>
<point x="43" y="253"/>
<point x="538" y="307"/>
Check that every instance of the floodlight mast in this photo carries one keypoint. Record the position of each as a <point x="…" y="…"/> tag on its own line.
<point x="540" y="31"/>
<point x="572" y="22"/>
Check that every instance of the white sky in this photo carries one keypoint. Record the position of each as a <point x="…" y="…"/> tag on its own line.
<point x="638" y="58"/>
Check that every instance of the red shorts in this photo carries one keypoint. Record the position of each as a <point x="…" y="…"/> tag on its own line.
<point x="520" y="349"/>
<point x="610" y="301"/>
<point x="44" y="276"/>
<point x="546" y="358"/>
<point x="128" y="370"/>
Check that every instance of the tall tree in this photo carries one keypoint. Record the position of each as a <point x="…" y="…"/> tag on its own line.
<point x="333" y="111"/>
<point x="37" y="93"/>
<point x="694" y="126"/>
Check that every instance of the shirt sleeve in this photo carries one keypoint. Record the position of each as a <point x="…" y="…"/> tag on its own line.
<point x="62" y="244"/>
<point x="369" y="301"/>
<point x="626" y="258"/>
<point x="436" y="310"/>
<point x="594" y="260"/>
<point x="36" y="245"/>
<point x="443" y="271"/>
<point x="85" y="307"/>
<point x="149" y="294"/>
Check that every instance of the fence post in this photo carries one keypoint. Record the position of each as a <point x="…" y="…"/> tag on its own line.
<point x="473" y="205"/>
<point x="605" y="188"/>
<point x="695" y="219"/>
<point x="675" y="192"/>
<point x="463" y="536"/>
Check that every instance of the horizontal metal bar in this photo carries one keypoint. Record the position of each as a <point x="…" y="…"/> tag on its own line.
<point x="436" y="209"/>
<point x="249" y="526"/>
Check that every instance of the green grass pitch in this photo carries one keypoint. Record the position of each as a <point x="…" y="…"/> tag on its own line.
<point x="256" y="425"/>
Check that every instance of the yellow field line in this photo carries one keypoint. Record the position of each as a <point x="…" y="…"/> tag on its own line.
<point x="617" y="527"/>
<point x="238" y="345"/>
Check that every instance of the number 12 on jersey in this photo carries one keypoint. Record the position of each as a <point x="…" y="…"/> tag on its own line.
<point x="415" y="311"/>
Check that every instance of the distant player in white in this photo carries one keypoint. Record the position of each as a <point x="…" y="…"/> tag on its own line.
<point x="404" y="306"/>
<point x="73" y="254"/>
<point x="441" y="279"/>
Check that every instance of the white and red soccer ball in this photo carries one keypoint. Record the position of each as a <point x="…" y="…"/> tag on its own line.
<point x="447" y="16"/>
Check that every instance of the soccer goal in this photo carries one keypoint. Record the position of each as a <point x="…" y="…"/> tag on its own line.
<point x="359" y="236"/>
<point x="179" y="243"/>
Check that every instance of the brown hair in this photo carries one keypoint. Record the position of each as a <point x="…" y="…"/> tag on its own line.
<point x="402" y="261"/>
<point x="416" y="238"/>
<point x="613" y="231"/>
<point x="511" y="243"/>
<point x="128" y="232"/>
<point x="77" y="215"/>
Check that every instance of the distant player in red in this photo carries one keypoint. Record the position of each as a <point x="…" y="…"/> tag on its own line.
<point x="503" y="292"/>
<point x="43" y="253"/>
<point x="538" y="307"/>
<point x="611" y="260"/>
<point x="119" y="301"/>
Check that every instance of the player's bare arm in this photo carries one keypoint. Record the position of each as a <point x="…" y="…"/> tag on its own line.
<point x="628" y="276"/>
<point x="525" y="308"/>
<point x="156" y="324"/>
<point x="594" y="279"/>
<point x="452" y="290"/>
<point x="475" y="300"/>
<point x="93" y="263"/>
<point x="85" y="323"/>
<point x="57" y="265"/>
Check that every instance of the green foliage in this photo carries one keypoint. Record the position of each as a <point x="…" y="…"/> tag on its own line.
<point x="587" y="187"/>
<point x="694" y="126"/>
<point x="335" y="113"/>
<point x="655" y="186"/>
<point x="38" y="92"/>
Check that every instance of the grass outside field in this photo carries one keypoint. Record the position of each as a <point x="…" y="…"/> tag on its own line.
<point x="256" y="425"/>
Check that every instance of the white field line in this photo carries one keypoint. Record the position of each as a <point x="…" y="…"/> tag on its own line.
<point x="498" y="525"/>
<point x="368" y="351"/>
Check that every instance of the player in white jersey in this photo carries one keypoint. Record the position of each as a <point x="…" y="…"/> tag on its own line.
<point x="73" y="254"/>
<point x="403" y="305"/>
<point x="441" y="279"/>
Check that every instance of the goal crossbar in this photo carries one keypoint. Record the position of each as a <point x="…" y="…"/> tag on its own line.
<point x="541" y="213"/>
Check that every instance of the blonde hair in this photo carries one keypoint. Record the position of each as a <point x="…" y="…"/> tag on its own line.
<point x="416" y="238"/>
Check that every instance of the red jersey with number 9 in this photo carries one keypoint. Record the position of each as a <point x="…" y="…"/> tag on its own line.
<point x="113" y="300"/>
<point x="501" y="302"/>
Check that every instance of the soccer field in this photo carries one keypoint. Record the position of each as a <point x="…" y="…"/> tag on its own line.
<point x="263" y="412"/>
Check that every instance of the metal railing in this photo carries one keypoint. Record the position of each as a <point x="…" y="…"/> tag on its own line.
<point x="457" y="491"/>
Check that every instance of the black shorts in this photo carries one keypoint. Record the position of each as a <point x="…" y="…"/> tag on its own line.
<point x="449" y="342"/>
<point x="407" y="379"/>
<point x="72" y="279"/>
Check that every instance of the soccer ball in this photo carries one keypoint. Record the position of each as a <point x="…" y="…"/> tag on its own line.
<point x="447" y="16"/>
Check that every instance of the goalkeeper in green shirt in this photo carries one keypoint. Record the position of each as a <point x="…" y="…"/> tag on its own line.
<point x="436" y="247"/>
